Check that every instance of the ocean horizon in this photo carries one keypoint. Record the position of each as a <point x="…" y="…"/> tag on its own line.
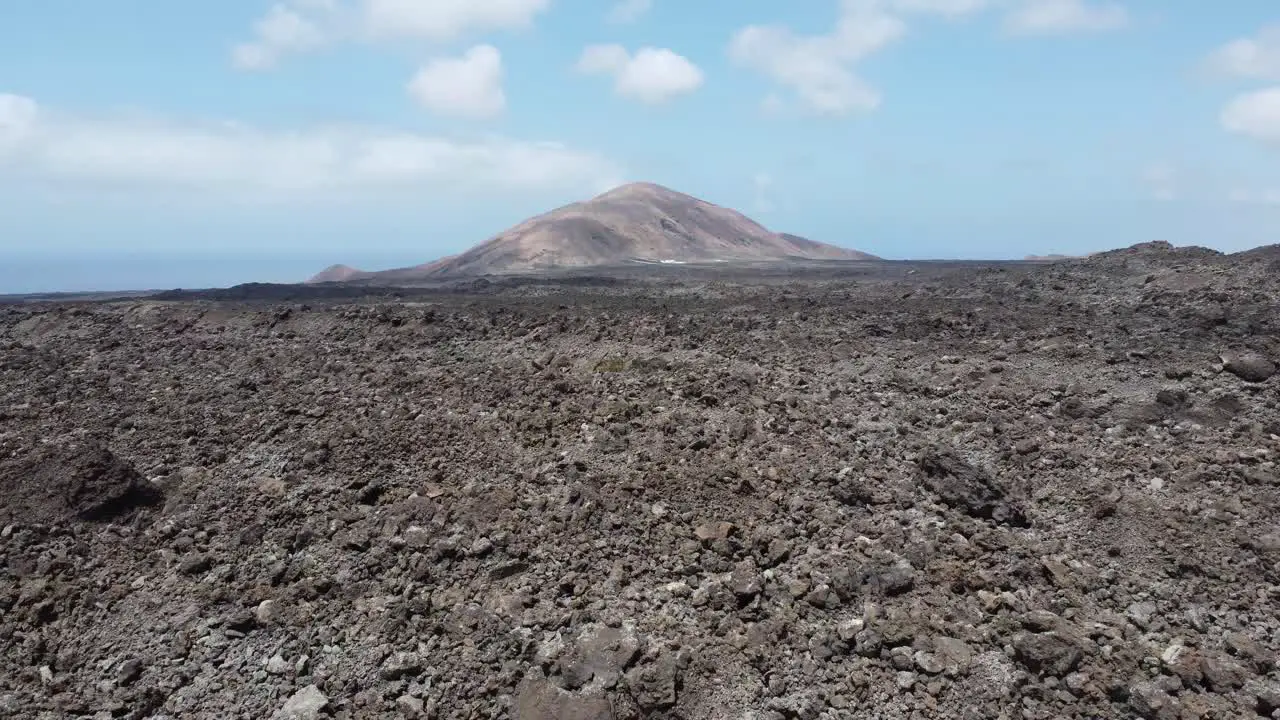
<point x="29" y="272"/>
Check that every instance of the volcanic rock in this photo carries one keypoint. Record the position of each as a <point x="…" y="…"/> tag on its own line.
<point x="1249" y="366"/>
<point x="81" y="481"/>
<point x="969" y="489"/>
<point x="306" y="704"/>
<point x="793" y="491"/>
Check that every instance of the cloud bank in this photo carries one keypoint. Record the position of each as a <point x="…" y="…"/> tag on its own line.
<point x="36" y="142"/>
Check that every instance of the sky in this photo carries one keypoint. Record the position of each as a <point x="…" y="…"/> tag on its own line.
<point x="162" y="144"/>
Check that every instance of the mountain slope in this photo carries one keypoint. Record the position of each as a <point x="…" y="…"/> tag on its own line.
<point x="640" y="221"/>
<point x="636" y="222"/>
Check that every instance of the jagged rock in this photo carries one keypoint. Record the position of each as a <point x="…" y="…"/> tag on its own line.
<point x="966" y="488"/>
<point x="1249" y="366"/>
<point x="1046" y="653"/>
<point x="543" y="701"/>
<point x="78" y="481"/>
<point x="654" y="685"/>
<point x="267" y="612"/>
<point x="1141" y="613"/>
<point x="822" y="597"/>
<point x="400" y="664"/>
<point x="409" y="706"/>
<point x="305" y="704"/>
<point x="1249" y="650"/>
<point x="887" y="578"/>
<point x="1268" y="698"/>
<point x="954" y="655"/>
<point x="745" y="583"/>
<point x="277" y="665"/>
<point x="130" y="671"/>
<point x="717" y="530"/>
<point x="1221" y="674"/>
<point x="1151" y="702"/>
<point x="599" y="654"/>
<point x="697" y="498"/>
<point x="195" y="564"/>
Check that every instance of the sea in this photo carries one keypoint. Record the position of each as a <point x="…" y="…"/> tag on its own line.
<point x="27" y="272"/>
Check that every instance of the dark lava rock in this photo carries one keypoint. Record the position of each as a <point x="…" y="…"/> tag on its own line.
<point x="1151" y="702"/>
<point x="601" y="654"/>
<point x="195" y="564"/>
<point x="1046" y="653"/>
<point x="83" y="482"/>
<point x="1249" y="366"/>
<point x="695" y="498"/>
<point x="1246" y="648"/>
<point x="1268" y="697"/>
<point x="540" y="700"/>
<point x="401" y="664"/>
<point x="1221" y="674"/>
<point x="1173" y="398"/>
<point x="654" y="685"/>
<point x="886" y="578"/>
<point x="130" y="671"/>
<point x="969" y="489"/>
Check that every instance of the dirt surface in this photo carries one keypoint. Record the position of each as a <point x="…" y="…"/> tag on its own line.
<point x="1033" y="492"/>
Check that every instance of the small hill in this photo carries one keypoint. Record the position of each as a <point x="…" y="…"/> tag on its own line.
<point x="1264" y="252"/>
<point x="337" y="273"/>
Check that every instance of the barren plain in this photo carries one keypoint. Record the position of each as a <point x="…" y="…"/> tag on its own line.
<point x="1021" y="491"/>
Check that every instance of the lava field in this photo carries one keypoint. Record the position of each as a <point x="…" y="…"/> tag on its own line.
<point x="1025" y="491"/>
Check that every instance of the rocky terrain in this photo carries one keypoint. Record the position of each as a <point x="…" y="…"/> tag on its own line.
<point x="1024" y="491"/>
<point x="635" y="222"/>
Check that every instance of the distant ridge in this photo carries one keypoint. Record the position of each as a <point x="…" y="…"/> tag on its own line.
<point x="337" y="273"/>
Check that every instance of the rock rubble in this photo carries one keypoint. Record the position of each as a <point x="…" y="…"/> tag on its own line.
<point x="1009" y="492"/>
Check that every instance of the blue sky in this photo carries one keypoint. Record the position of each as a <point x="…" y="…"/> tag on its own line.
<point x="382" y="132"/>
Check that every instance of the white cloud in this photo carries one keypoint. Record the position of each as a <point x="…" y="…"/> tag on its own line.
<point x="297" y="26"/>
<point x="628" y="11"/>
<point x="448" y="19"/>
<point x="602" y="59"/>
<point x="18" y="118"/>
<point x="1266" y="196"/>
<point x="651" y="75"/>
<point x="945" y="8"/>
<point x="466" y="86"/>
<point x="1058" y="17"/>
<point x="294" y="26"/>
<point x="1255" y="58"/>
<point x="1255" y="115"/>
<point x="238" y="159"/>
<point x="1162" y="181"/>
<point x="819" y="69"/>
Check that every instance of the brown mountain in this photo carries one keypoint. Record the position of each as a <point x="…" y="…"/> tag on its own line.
<point x="636" y="222"/>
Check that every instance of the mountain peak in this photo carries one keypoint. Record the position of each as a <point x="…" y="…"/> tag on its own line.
<point x="637" y="190"/>
<point x="635" y="222"/>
